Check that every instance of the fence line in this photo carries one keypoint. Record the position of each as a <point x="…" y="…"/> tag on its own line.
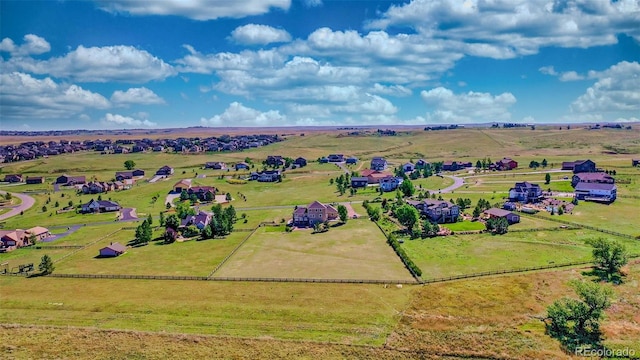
<point x="53" y="247"/>
<point x="86" y="246"/>
<point x="233" y="252"/>
<point x="404" y="261"/>
<point x="583" y="226"/>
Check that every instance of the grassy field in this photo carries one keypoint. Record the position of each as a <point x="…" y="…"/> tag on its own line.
<point x="352" y="314"/>
<point x="465" y="226"/>
<point x="356" y="250"/>
<point x="466" y="254"/>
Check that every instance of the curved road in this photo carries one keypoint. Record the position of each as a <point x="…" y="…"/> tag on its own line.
<point x="27" y="202"/>
<point x="457" y="182"/>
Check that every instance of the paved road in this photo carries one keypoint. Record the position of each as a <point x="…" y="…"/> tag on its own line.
<point x="503" y="173"/>
<point x="70" y="230"/>
<point x="27" y="202"/>
<point x="457" y="182"/>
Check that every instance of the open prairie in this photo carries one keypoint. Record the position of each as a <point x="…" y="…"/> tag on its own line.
<point x="484" y="317"/>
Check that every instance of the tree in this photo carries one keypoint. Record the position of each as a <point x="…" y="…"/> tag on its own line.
<point x="150" y="219"/>
<point x="343" y="213"/>
<point x="228" y="197"/>
<point x="161" y="218"/>
<point x="477" y="211"/>
<point x="32" y="239"/>
<point x="207" y="232"/>
<point x="577" y="322"/>
<point x="547" y="178"/>
<point x="129" y="164"/>
<point x="44" y="208"/>
<point x="609" y="257"/>
<point x="143" y="233"/>
<point x="46" y="265"/>
<point x="407" y="188"/>
<point x="208" y="196"/>
<point x="478" y="164"/>
<point x="168" y="206"/>
<point x="57" y="204"/>
<point x="172" y="221"/>
<point x="183" y="210"/>
<point x="429" y="229"/>
<point x="544" y="163"/>
<point x="498" y="225"/>
<point x="184" y="195"/>
<point x="408" y="216"/>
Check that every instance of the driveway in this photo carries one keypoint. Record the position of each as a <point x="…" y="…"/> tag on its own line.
<point x="27" y="202"/>
<point x="128" y="214"/>
<point x="70" y="230"/>
<point x="170" y="197"/>
<point x="351" y="213"/>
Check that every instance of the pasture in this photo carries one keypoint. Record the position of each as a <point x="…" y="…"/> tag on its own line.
<point x="355" y="250"/>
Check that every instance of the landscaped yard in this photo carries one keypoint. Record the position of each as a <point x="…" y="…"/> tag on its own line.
<point x="465" y="226"/>
<point x="356" y="250"/>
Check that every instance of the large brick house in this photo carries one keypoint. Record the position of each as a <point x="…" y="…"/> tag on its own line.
<point x="579" y="166"/>
<point x="525" y="192"/>
<point x="165" y="171"/>
<point x="13" y="239"/>
<point x="275" y="160"/>
<point x="204" y="193"/>
<point x="65" y="179"/>
<point x="96" y="206"/>
<point x="437" y="210"/>
<point x="266" y="176"/>
<point x="314" y="213"/>
<point x="506" y="164"/>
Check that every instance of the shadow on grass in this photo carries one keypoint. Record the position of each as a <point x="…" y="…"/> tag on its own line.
<point x="602" y="275"/>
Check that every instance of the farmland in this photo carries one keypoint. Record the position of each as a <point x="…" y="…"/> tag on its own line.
<point x="463" y="318"/>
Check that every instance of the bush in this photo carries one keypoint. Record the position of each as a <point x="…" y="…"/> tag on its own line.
<point x="236" y="181"/>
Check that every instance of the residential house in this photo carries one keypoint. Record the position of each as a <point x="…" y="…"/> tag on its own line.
<point x="184" y="184"/>
<point x="525" y="192"/>
<point x="455" y="165"/>
<point x="500" y="213"/>
<point x="314" y="213"/>
<point x="97" y="206"/>
<point x="421" y="164"/>
<point x="596" y="192"/>
<point x="378" y="163"/>
<point x="592" y="177"/>
<point x="13" y="239"/>
<point x="204" y="193"/>
<point x="511" y="206"/>
<point x="266" y="176"/>
<point x="374" y="176"/>
<point x="65" y="179"/>
<point x="335" y="158"/>
<point x="124" y="175"/>
<point x="352" y="160"/>
<point x="96" y="187"/>
<point x="579" y="166"/>
<point x="635" y="162"/>
<point x="199" y="220"/>
<point x="275" y="160"/>
<point x="390" y="183"/>
<point x="216" y="165"/>
<point x="39" y="232"/>
<point x="35" y="179"/>
<point x="506" y="164"/>
<point x="323" y="160"/>
<point x="242" y="166"/>
<point x="13" y="178"/>
<point x="437" y="210"/>
<point x="359" y="181"/>
<point x="408" y="167"/>
<point x="300" y="162"/>
<point x="165" y="171"/>
<point x="113" y="250"/>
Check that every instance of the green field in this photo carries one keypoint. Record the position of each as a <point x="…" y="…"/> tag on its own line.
<point x="356" y="250"/>
<point x="494" y="317"/>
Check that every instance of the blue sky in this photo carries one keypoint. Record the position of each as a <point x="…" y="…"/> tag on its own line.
<point x="176" y="63"/>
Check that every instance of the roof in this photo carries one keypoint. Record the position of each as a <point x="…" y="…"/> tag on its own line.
<point x="497" y="212"/>
<point x="301" y="210"/>
<point x="117" y="247"/>
<point x="527" y="185"/>
<point x="186" y="182"/>
<point x="594" y="176"/>
<point x="359" y="178"/>
<point x="316" y="204"/>
<point x="38" y="230"/>
<point x="582" y="186"/>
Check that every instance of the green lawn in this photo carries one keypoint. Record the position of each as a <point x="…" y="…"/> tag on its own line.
<point x="465" y="226"/>
<point x="356" y="250"/>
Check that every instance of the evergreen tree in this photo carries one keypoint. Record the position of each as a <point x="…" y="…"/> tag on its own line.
<point x="46" y="265"/>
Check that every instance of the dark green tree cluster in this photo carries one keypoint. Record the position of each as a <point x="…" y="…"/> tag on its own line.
<point x="46" y="265"/>
<point x="408" y="216"/>
<point x="481" y="206"/>
<point x="497" y="225"/>
<point x="343" y="213"/>
<point x="342" y="183"/>
<point x="395" y="245"/>
<point x="429" y="229"/>
<point x="407" y="188"/>
<point x="222" y="222"/>
<point x="372" y="212"/>
<point x="463" y="203"/>
<point x="609" y="257"/>
<point x="144" y="232"/>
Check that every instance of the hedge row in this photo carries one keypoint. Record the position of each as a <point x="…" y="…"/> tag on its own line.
<point x="391" y="240"/>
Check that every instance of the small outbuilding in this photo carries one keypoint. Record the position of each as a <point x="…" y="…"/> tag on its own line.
<point x="113" y="250"/>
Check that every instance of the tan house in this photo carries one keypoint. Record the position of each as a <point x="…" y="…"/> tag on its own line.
<point x="314" y="213"/>
<point x="11" y="240"/>
<point x="184" y="184"/>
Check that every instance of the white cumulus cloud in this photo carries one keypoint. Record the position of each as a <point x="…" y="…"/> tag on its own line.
<point x="33" y="45"/>
<point x="99" y="64"/>
<point x="617" y="90"/>
<point x="254" y="34"/>
<point x="195" y="9"/>
<point x="239" y="115"/>
<point x="140" y="95"/>
<point x="120" y="120"/>
<point x="25" y="97"/>
<point x="467" y="107"/>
